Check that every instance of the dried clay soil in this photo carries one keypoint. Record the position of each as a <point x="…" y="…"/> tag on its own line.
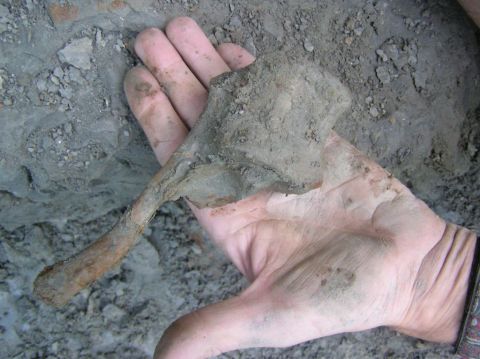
<point x="72" y="156"/>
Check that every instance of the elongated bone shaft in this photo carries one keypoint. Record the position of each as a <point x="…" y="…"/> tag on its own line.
<point x="57" y="284"/>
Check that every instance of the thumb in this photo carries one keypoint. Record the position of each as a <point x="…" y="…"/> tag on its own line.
<point x="212" y="330"/>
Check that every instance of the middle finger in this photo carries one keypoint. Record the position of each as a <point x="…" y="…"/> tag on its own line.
<point x="196" y="49"/>
<point x="187" y="94"/>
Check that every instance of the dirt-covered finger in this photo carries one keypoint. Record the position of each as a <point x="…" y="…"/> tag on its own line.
<point x="186" y="93"/>
<point x="195" y="48"/>
<point x="235" y="56"/>
<point x="153" y="110"/>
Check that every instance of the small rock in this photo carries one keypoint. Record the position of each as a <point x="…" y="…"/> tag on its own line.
<point x="66" y="237"/>
<point x="196" y="249"/>
<point x="77" y="53"/>
<point x="219" y="34"/>
<point x="412" y="60"/>
<point x="99" y="41"/>
<point x="419" y="80"/>
<point x="68" y="128"/>
<point x="349" y="24"/>
<point x="383" y="74"/>
<point x="271" y="26"/>
<point x="55" y="79"/>
<point x="58" y="72"/>
<point x="348" y="40"/>
<point x="52" y="88"/>
<point x="119" y="45"/>
<point x="54" y="348"/>
<point x="249" y="45"/>
<point x="426" y="13"/>
<point x="368" y="99"/>
<point x="307" y="45"/>
<point x="41" y="85"/>
<point x="212" y="39"/>
<point x="75" y="75"/>
<point x="392" y="51"/>
<point x="113" y="313"/>
<point x="7" y="101"/>
<point x="374" y="112"/>
<point x="147" y="232"/>
<point x="382" y="55"/>
<point x="66" y="92"/>
<point x="235" y="21"/>
<point x="358" y="31"/>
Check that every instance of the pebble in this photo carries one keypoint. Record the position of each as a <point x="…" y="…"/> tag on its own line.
<point x="382" y="55"/>
<point x="67" y="237"/>
<point x="113" y="313"/>
<point x="383" y="74"/>
<point x="419" y="80"/>
<point x="271" y="26"/>
<point x="55" y="79"/>
<point x="212" y="39"/>
<point x="412" y="60"/>
<point x="219" y="35"/>
<point x="196" y="249"/>
<point x="349" y="24"/>
<point x="358" y="31"/>
<point x="307" y="45"/>
<point x="147" y="232"/>
<point x="7" y="101"/>
<point x="374" y="112"/>
<point x="348" y="40"/>
<point x="249" y="45"/>
<point x="58" y="72"/>
<point x="66" y="92"/>
<point x="41" y="85"/>
<point x="68" y="128"/>
<point x="54" y="347"/>
<point x="235" y="21"/>
<point x="99" y="41"/>
<point x="75" y="75"/>
<point x="77" y="53"/>
<point x="119" y="45"/>
<point x="52" y="88"/>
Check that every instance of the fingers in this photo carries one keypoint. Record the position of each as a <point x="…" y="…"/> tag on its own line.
<point x="153" y="110"/>
<point x="171" y="93"/>
<point x="235" y="56"/>
<point x="210" y="331"/>
<point x="186" y="93"/>
<point x="195" y="48"/>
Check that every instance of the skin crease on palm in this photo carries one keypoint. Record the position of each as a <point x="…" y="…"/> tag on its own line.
<point x="356" y="253"/>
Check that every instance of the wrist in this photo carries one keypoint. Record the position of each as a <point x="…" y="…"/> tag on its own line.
<point x="440" y="288"/>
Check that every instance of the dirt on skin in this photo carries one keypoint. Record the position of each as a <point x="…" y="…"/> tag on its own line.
<point x="74" y="155"/>
<point x="264" y="128"/>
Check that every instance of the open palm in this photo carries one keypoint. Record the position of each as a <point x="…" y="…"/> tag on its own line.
<point x="346" y="256"/>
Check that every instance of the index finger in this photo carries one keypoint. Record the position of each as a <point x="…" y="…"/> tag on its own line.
<point x="195" y="48"/>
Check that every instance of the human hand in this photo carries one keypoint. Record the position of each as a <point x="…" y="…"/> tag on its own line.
<point x="358" y="252"/>
<point x="472" y="7"/>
